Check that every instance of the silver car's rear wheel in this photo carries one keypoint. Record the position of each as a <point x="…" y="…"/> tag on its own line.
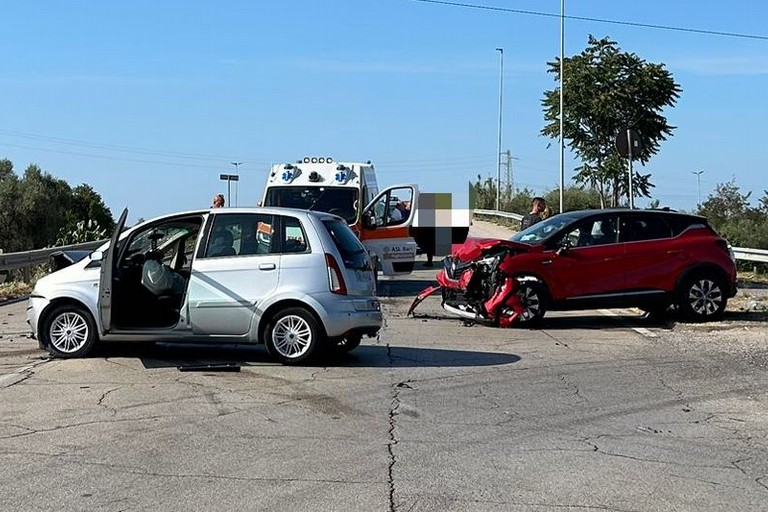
<point x="69" y="331"/>
<point x="293" y="335"/>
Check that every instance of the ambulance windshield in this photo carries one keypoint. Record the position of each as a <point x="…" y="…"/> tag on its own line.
<point x="341" y="201"/>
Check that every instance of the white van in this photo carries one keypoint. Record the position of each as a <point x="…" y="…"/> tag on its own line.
<point x="381" y="218"/>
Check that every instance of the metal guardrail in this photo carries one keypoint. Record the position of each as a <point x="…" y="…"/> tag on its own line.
<point x="747" y="254"/>
<point x="26" y="259"/>
<point x="741" y="253"/>
<point x="496" y="213"/>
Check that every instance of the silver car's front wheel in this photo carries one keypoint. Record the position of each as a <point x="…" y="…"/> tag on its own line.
<point x="69" y="331"/>
<point x="293" y="335"/>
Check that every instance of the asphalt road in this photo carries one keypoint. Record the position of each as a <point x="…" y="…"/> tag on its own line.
<point x="595" y="411"/>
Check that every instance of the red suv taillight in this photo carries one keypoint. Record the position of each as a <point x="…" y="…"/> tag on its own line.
<point x="335" y="278"/>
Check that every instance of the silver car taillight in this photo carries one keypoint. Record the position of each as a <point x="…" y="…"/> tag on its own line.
<point x="335" y="277"/>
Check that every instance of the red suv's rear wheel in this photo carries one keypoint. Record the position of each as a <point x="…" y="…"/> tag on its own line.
<point x="702" y="297"/>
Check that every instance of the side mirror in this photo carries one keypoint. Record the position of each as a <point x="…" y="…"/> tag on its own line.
<point x="96" y="256"/>
<point x="369" y="221"/>
<point x="565" y="244"/>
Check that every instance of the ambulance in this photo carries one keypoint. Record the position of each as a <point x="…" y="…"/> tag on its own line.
<point x="380" y="218"/>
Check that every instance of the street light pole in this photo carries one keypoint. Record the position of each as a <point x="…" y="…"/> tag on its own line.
<point x="229" y="178"/>
<point x="498" y="151"/>
<point x="237" y="172"/>
<point x="698" y="187"/>
<point x="562" y="84"/>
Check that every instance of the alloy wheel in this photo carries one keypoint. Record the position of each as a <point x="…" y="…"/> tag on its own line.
<point x="291" y="336"/>
<point x="69" y="332"/>
<point x="705" y="297"/>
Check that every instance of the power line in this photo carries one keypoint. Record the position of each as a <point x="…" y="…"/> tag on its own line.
<point x="597" y="20"/>
<point x="113" y="147"/>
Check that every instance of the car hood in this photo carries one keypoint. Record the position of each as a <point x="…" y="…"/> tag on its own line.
<point x="71" y="274"/>
<point x="473" y="248"/>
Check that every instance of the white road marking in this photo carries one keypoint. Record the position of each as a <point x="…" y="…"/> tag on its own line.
<point x="640" y="330"/>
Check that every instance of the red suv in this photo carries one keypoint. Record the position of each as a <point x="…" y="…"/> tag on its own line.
<point x="651" y="259"/>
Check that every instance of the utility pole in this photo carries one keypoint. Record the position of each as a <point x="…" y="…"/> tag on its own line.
<point x="509" y="176"/>
<point x="237" y="172"/>
<point x="498" y="152"/>
<point x="698" y="187"/>
<point x="562" y="100"/>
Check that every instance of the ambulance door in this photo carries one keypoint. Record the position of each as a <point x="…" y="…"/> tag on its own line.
<point x="385" y="229"/>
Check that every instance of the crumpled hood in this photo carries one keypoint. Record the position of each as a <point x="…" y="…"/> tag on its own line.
<point x="473" y="248"/>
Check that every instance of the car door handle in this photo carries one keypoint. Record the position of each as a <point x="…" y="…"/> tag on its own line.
<point x="546" y="262"/>
<point x="267" y="266"/>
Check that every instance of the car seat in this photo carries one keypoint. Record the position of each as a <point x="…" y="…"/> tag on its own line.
<point x="222" y="244"/>
<point x="585" y="238"/>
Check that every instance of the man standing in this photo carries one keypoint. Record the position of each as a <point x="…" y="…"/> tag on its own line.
<point x="218" y="201"/>
<point x="538" y="205"/>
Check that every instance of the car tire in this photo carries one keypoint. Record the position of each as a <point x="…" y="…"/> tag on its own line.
<point x="346" y="345"/>
<point x="533" y="297"/>
<point x="68" y="331"/>
<point x="702" y="298"/>
<point x="293" y="336"/>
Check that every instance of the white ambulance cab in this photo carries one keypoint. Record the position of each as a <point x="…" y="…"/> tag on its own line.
<point x="381" y="218"/>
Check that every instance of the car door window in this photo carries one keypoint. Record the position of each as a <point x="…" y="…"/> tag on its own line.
<point x="243" y="234"/>
<point x="293" y="238"/>
<point x="393" y="208"/>
<point x="635" y="228"/>
<point x="581" y="235"/>
<point x="600" y="231"/>
<point x="604" y="231"/>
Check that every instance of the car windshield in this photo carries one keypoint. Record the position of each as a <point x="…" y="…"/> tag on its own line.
<point x="350" y="248"/>
<point x="161" y="238"/>
<point x="341" y="201"/>
<point x="540" y="231"/>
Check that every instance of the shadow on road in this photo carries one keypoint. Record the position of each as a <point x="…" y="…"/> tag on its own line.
<point x="224" y="357"/>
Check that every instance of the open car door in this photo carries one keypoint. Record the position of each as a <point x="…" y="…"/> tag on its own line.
<point x="385" y="231"/>
<point x="109" y="257"/>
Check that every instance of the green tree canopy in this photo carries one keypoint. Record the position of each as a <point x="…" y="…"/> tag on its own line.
<point x="37" y="209"/>
<point x="519" y="201"/>
<point x="606" y="91"/>
<point x="731" y="213"/>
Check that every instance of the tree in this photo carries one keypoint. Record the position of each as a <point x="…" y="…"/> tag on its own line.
<point x="519" y="201"/>
<point x="484" y="194"/>
<point x="730" y="212"/>
<point x="87" y="205"/>
<point x="39" y="209"/>
<point x="605" y="91"/>
<point x="9" y="221"/>
<point x="42" y="206"/>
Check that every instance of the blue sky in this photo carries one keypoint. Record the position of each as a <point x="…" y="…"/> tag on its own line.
<point x="150" y="101"/>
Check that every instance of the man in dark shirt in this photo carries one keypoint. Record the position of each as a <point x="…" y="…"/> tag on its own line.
<point x="537" y="208"/>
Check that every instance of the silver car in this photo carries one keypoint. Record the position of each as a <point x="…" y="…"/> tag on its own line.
<point x="298" y="281"/>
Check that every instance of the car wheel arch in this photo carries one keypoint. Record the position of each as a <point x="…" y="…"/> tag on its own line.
<point x="68" y="329"/>
<point x="522" y="277"/>
<point x="702" y="268"/>
<point x="281" y="305"/>
<point x="54" y="305"/>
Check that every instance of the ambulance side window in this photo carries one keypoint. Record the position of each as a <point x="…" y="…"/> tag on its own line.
<point x="393" y="207"/>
